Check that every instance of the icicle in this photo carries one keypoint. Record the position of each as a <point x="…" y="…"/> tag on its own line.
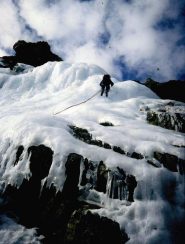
<point x="108" y="188"/>
<point x="119" y="190"/>
<point x="81" y="172"/>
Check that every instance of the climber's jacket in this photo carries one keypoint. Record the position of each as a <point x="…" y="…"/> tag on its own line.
<point x="106" y="82"/>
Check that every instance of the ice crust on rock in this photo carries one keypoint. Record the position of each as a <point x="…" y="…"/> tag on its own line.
<point x="11" y="232"/>
<point x="28" y="102"/>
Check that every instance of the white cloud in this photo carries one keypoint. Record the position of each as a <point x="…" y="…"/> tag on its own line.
<point x="10" y="28"/>
<point x="2" y="53"/>
<point x="73" y="28"/>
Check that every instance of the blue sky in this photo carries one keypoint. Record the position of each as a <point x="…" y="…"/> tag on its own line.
<point x="130" y="39"/>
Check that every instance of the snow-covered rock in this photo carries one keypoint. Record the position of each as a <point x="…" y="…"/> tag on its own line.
<point x="12" y="233"/>
<point x="170" y="116"/>
<point x="38" y="109"/>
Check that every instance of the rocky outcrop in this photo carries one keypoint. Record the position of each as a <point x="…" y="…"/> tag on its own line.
<point x="34" y="54"/>
<point x="170" y="116"/>
<point x="30" y="53"/>
<point x="171" y="162"/>
<point x="114" y="182"/>
<point x="65" y="217"/>
<point x="8" y="62"/>
<point x="102" y="176"/>
<point x="173" y="89"/>
<point x="83" y="135"/>
<point x="18" y="154"/>
<point x="70" y="188"/>
<point x="174" y="121"/>
<point x="24" y="201"/>
<point x="40" y="161"/>
<point x="87" y="228"/>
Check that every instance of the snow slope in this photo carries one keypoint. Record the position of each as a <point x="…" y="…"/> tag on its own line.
<point x="11" y="232"/>
<point x="29" y="102"/>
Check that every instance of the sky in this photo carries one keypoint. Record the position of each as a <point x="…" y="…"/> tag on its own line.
<point x="129" y="39"/>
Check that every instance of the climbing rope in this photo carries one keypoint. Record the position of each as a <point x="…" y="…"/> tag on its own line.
<point x="76" y="104"/>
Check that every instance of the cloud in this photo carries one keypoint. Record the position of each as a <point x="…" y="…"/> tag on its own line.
<point x="10" y="28"/>
<point x="143" y="38"/>
<point x="2" y="52"/>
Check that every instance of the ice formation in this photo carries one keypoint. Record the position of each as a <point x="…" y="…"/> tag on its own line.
<point x="30" y="98"/>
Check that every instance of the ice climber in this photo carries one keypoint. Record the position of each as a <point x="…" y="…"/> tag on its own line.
<point x="105" y="84"/>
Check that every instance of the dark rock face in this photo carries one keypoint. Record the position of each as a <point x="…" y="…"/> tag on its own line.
<point x="174" y="121"/>
<point x="60" y="216"/>
<point x="25" y="200"/>
<point x="34" y="54"/>
<point x="85" y="136"/>
<point x="70" y="189"/>
<point x="18" y="154"/>
<point x="54" y="214"/>
<point x="40" y="161"/>
<point x="87" y="228"/>
<point x="106" y="123"/>
<point x="173" y="89"/>
<point x="8" y="62"/>
<point x="118" y="150"/>
<point x="137" y="155"/>
<point x="102" y="176"/>
<point x="170" y="116"/>
<point x="171" y="162"/>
